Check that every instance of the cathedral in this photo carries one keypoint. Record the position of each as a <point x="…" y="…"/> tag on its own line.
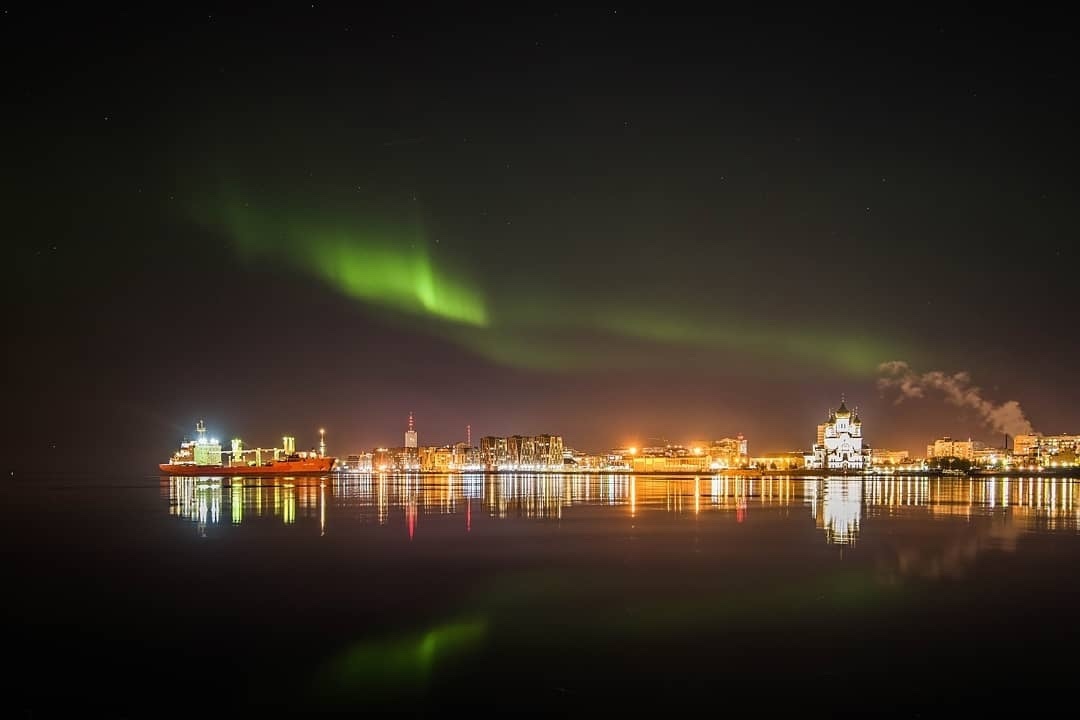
<point x="839" y="443"/>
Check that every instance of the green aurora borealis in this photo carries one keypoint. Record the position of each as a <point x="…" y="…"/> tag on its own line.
<point x="388" y="267"/>
<point x="525" y="323"/>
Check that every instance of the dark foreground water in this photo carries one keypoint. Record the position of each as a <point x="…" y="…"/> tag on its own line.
<point x="513" y="593"/>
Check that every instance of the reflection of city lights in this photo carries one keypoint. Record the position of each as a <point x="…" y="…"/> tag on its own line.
<point x="288" y="512"/>
<point x="838" y="506"/>
<point x="322" y="508"/>
<point x="841" y="509"/>
<point x="237" y="501"/>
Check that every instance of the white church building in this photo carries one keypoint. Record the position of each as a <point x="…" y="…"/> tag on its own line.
<point x="839" y="443"/>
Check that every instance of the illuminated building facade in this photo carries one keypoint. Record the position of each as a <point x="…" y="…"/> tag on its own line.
<point x="1026" y="446"/>
<point x="947" y="447"/>
<point x="670" y="458"/>
<point x="1048" y="450"/>
<point x="382" y="460"/>
<point x="990" y="457"/>
<point x="548" y="451"/>
<point x="358" y="463"/>
<point x="466" y="457"/>
<point x="890" y="458"/>
<point x="493" y="452"/>
<point x="729" y="453"/>
<point x="841" y="447"/>
<point x="578" y="461"/>
<point x="522" y="452"/>
<point x="406" y="459"/>
<point x="670" y="463"/>
<point x="436" y="459"/>
<point x="410" y="433"/>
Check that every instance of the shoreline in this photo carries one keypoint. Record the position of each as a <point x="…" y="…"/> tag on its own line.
<point x="1067" y="473"/>
<point x="750" y="473"/>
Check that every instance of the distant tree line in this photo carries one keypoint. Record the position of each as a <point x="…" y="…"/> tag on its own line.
<point x="950" y="463"/>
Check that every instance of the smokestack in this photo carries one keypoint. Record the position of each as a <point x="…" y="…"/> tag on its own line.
<point x="1006" y="445"/>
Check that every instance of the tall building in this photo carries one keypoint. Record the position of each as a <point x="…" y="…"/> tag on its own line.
<point x="493" y="452"/>
<point x="1026" y="445"/>
<point x="410" y="433"/>
<point x="841" y="447"/>
<point x="548" y="450"/>
<point x="524" y="452"/>
<point x="520" y="451"/>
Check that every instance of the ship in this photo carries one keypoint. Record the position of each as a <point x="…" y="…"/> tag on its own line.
<point x="204" y="456"/>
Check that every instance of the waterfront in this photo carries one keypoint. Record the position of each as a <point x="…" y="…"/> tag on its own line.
<point x="540" y="591"/>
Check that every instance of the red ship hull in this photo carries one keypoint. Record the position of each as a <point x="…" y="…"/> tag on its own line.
<point x="312" y="466"/>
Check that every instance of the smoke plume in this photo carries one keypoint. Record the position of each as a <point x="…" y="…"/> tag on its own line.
<point x="1007" y="417"/>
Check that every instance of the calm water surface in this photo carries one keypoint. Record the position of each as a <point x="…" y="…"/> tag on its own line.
<point x="527" y="592"/>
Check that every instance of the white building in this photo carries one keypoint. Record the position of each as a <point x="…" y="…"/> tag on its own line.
<point x="841" y="445"/>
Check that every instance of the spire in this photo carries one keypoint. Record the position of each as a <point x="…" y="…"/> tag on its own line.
<point x="412" y="425"/>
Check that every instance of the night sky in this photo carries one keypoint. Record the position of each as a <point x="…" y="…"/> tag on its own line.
<point x="612" y="224"/>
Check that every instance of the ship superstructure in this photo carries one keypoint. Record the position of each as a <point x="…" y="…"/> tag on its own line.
<point x="204" y="456"/>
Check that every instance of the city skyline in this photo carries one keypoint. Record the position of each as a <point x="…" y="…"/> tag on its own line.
<point x="819" y="455"/>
